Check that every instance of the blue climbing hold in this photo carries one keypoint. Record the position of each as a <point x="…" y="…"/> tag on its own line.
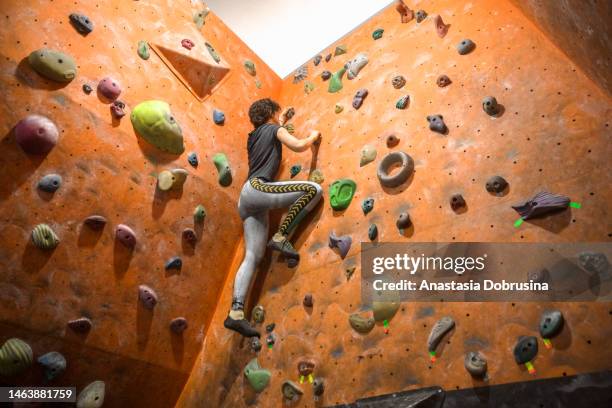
<point x="193" y="159"/>
<point x="218" y="117"/>
<point x="50" y="183"/>
<point x="295" y="169"/>
<point x="174" y="263"/>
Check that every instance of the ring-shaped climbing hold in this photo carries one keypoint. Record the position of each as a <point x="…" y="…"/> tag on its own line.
<point x="399" y="177"/>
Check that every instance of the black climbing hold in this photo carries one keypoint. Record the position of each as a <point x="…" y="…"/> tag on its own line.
<point x="490" y="105"/>
<point x="443" y="81"/>
<point x="367" y="205"/>
<point x="270" y="327"/>
<point x="551" y="323"/>
<point x="325" y="75"/>
<point x="359" y="97"/>
<point x="372" y="232"/>
<point x="193" y="159"/>
<point x="95" y="222"/>
<point x="399" y="177"/>
<point x="147" y="297"/>
<point x="178" y="325"/>
<point x="50" y="183"/>
<point x="541" y="204"/>
<point x="318" y="387"/>
<point x="525" y="349"/>
<point x="80" y="325"/>
<point x="295" y="170"/>
<point x="457" y="202"/>
<point x="328" y="57"/>
<point x="118" y="109"/>
<point x="392" y="141"/>
<point x="348" y="272"/>
<point x="438" y="331"/>
<point x="81" y="23"/>
<point x="465" y="46"/>
<point x="190" y="236"/>
<point x="398" y="81"/>
<point x="87" y="89"/>
<point x="317" y="60"/>
<point x="308" y="302"/>
<point x="403" y="221"/>
<point x="436" y="124"/>
<point x="54" y="364"/>
<point x="255" y="344"/>
<point x="496" y="184"/>
<point x="421" y="15"/>
<point x="174" y="263"/>
<point x="475" y="363"/>
<point x="343" y="243"/>
<point x="594" y="262"/>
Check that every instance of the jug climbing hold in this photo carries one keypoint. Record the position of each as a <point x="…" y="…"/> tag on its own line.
<point x="475" y="364"/>
<point x="341" y="49"/>
<point x="441" y="28"/>
<point x="178" y="325"/>
<point x="80" y="325"/>
<point x="87" y="89"/>
<point x="399" y="177"/>
<point x="300" y="74"/>
<point x="250" y="67"/>
<point x="328" y="57"/>
<point x="81" y="23"/>
<point x="378" y="33"/>
<point x="190" y="236"/>
<point x="147" y="297"/>
<point x="187" y="43"/>
<point x="525" y="349"/>
<point x="372" y="232"/>
<point x="368" y="155"/>
<point x="199" y="18"/>
<point x="270" y="327"/>
<point x="109" y="88"/>
<point x="309" y="87"/>
<point x="257" y="376"/>
<point x="406" y="15"/>
<point x="421" y="15"/>
<point x="398" y="81"/>
<point x="36" y="134"/>
<point x="295" y="170"/>
<point x="92" y="396"/>
<point x="367" y="205"/>
<point x="541" y="204"/>
<point x="317" y="60"/>
<point x="15" y="357"/>
<point x="212" y="52"/>
<point x="305" y="367"/>
<point x="325" y="75"/>
<point x="259" y="314"/>
<point x="143" y="50"/>
<point x="199" y="214"/>
<point x="218" y="117"/>
<point x="192" y="158"/>
<point x="392" y="141"/>
<point x="154" y="122"/>
<point x="53" y="363"/>
<point x="551" y="323"/>
<point x="174" y="263"/>
<point x="291" y="391"/>
<point x="341" y="193"/>
<point x="355" y="65"/>
<point x="403" y="221"/>
<point x="438" y="331"/>
<point x="402" y="103"/>
<point x="95" y="222"/>
<point x="290" y="113"/>
<point x="436" y="124"/>
<point x="594" y="262"/>
<point x="361" y="324"/>
<point x="171" y="179"/>
<point x="117" y="109"/>
<point x="223" y="167"/>
<point x="343" y="243"/>
<point x="308" y="301"/>
<point x="316" y="176"/>
<point x="44" y="237"/>
<point x="359" y="97"/>
<point x="255" y="344"/>
<point x="125" y="235"/>
<point x="443" y="81"/>
<point x="465" y="46"/>
<point x="457" y="202"/>
<point x="50" y="183"/>
<point x="496" y="184"/>
<point x="335" y="83"/>
<point x="490" y="105"/>
<point x="338" y="108"/>
<point x="54" y="65"/>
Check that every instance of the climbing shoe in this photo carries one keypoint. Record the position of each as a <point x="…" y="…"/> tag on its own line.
<point x="280" y="243"/>
<point x="240" y="326"/>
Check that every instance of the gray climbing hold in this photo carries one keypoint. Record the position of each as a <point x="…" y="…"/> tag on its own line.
<point x="465" y="46"/>
<point x="325" y="75"/>
<point x="490" y="105"/>
<point x="392" y="141"/>
<point x="117" y="109"/>
<point x="457" y="202"/>
<point x="496" y="184"/>
<point x="44" y="237"/>
<point x="317" y="60"/>
<point x="258" y="377"/>
<point x="525" y="349"/>
<point x="372" y="232"/>
<point x="421" y="15"/>
<point x="361" y="324"/>
<point x="125" y="235"/>
<point x="595" y="262"/>
<point x="403" y="221"/>
<point x="218" y="117"/>
<point x="223" y="167"/>
<point x="436" y="124"/>
<point x="367" y="205"/>
<point x="359" y="98"/>
<point x="475" y="363"/>
<point x="147" y="297"/>
<point x="15" y="357"/>
<point x="541" y="204"/>
<point x="212" y="52"/>
<point x="368" y="155"/>
<point x="399" y="177"/>
<point x="403" y="102"/>
<point x="291" y="391"/>
<point x="343" y="243"/>
<point x="308" y="301"/>
<point x="80" y="325"/>
<point x="398" y="81"/>
<point x="50" y="183"/>
<point x="258" y="314"/>
<point x="36" y="134"/>
<point x="54" y="364"/>
<point x="178" y="325"/>
<point x="81" y="23"/>
<point x="92" y="396"/>
<point x="348" y="272"/>
<point x="355" y="65"/>
<point x="443" y="81"/>
<point x="249" y="66"/>
<point x="143" y="50"/>
<point x="295" y="170"/>
<point x="270" y="327"/>
<point x="199" y="214"/>
<point x="95" y="222"/>
<point x="300" y="74"/>
<point x="551" y="323"/>
<point x="438" y="331"/>
<point x="192" y="158"/>
<point x="386" y="306"/>
<point x="190" y="236"/>
<point x="255" y="344"/>
<point x="87" y="89"/>
<point x="54" y="65"/>
<point x="109" y="88"/>
<point x="174" y="263"/>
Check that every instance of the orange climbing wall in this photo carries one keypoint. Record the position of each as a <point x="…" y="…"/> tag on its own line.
<point x="107" y="171"/>
<point x="554" y="135"/>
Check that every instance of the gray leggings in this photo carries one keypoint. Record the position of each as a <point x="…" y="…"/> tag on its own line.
<point x="256" y="199"/>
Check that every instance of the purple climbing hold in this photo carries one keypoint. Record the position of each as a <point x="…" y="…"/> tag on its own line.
<point x="118" y="109"/>
<point x="190" y="236"/>
<point x="187" y="43"/>
<point x="359" y="97"/>
<point x="147" y="297"/>
<point x="403" y="221"/>
<point x="325" y="75"/>
<point x="457" y="202"/>
<point x="343" y="243"/>
<point x="81" y="23"/>
<point x="125" y="235"/>
<point x="542" y="204"/>
<point x="175" y="263"/>
<point x="95" y="222"/>
<point x="109" y="88"/>
<point x="328" y="57"/>
<point x="36" y="134"/>
<point x="317" y="60"/>
<point x="80" y="325"/>
<point x="178" y="325"/>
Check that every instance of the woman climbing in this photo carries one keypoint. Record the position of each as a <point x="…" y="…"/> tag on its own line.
<point x="261" y="193"/>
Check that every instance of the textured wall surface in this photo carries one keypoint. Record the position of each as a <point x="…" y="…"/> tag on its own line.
<point x="107" y="170"/>
<point x="554" y="134"/>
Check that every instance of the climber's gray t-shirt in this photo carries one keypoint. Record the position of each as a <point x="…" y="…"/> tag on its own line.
<point x="265" y="152"/>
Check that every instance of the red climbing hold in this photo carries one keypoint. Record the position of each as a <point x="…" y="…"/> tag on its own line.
<point x="187" y="43"/>
<point x="36" y="134"/>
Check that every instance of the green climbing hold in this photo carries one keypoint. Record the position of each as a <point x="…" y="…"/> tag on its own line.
<point x="341" y="49"/>
<point x="258" y="83"/>
<point x="15" y="357"/>
<point x="257" y="376"/>
<point x="223" y="167"/>
<point x="250" y="67"/>
<point x="53" y="65"/>
<point x="339" y="108"/>
<point x="44" y="237"/>
<point x="295" y="170"/>
<point x="199" y="214"/>
<point x="143" y="50"/>
<point x="308" y="87"/>
<point x="290" y="128"/>
<point x="378" y="33"/>
<point x="335" y="83"/>
<point x="212" y="52"/>
<point x="341" y="193"/>
<point x="200" y="17"/>
<point x="361" y="324"/>
<point x="154" y="122"/>
<point x="316" y="176"/>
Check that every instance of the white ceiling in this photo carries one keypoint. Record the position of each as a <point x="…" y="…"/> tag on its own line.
<point x="287" y="33"/>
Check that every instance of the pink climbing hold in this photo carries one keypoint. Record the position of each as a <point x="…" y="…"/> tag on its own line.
<point x="125" y="235"/>
<point x="147" y="297"/>
<point x="36" y="134"/>
<point x="109" y="88"/>
<point x="441" y="28"/>
<point x="118" y="109"/>
<point x="187" y="43"/>
<point x="178" y="325"/>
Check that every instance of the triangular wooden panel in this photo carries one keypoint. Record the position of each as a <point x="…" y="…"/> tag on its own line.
<point x="195" y="68"/>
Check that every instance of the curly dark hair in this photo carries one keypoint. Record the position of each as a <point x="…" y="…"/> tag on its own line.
<point x="262" y="110"/>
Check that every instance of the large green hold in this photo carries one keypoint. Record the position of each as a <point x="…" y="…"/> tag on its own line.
<point x="335" y="82"/>
<point x="53" y="65"/>
<point x="223" y="167"/>
<point x="257" y="376"/>
<point x="15" y="357"/>
<point x="341" y="193"/>
<point x="154" y="122"/>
